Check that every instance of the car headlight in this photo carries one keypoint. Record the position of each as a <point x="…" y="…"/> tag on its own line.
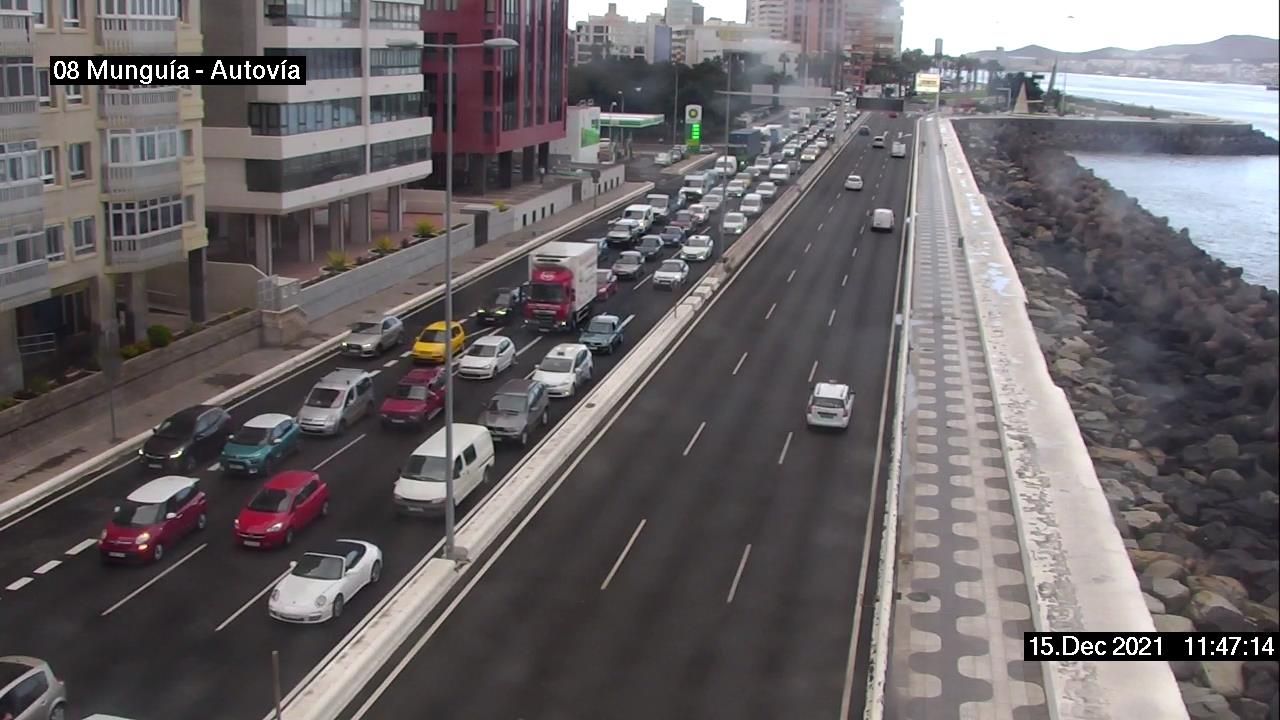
<point x="103" y="536"/>
<point x="236" y="523"/>
<point x="142" y="539"/>
<point x="141" y="451"/>
<point x="320" y="601"/>
<point x="276" y="528"/>
<point x="176" y="454"/>
<point x="275" y="594"/>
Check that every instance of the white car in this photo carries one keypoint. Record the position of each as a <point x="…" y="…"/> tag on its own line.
<point x="565" y="369"/>
<point x="736" y="189"/>
<point x="767" y="190"/>
<point x="700" y="213"/>
<point x="320" y="585"/>
<point x="809" y="155"/>
<point x="735" y="223"/>
<point x="671" y="274"/>
<point x="830" y="405"/>
<point x="877" y="141"/>
<point x="853" y="182"/>
<point x="697" y="248"/>
<point x="662" y="159"/>
<point x="751" y="205"/>
<point x="713" y="200"/>
<point x="822" y="143"/>
<point x="487" y="357"/>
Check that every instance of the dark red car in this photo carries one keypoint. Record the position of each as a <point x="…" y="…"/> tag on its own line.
<point x="288" y="503"/>
<point x="153" y="519"/>
<point x="417" y="398"/>
<point x="606" y="284"/>
<point x="893" y="114"/>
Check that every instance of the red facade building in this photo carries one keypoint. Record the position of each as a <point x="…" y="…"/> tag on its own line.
<point x="507" y="101"/>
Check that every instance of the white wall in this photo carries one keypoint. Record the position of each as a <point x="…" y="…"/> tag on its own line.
<point x="577" y="119"/>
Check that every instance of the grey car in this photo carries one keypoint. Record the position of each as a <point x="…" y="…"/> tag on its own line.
<point x="629" y="265"/>
<point x="519" y="407"/>
<point x="373" y="335"/>
<point x="30" y="691"/>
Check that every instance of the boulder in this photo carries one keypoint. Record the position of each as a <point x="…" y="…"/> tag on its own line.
<point x="1260" y="682"/>
<point x="1165" y="569"/>
<point x="1230" y="589"/>
<point x="1067" y="367"/>
<point x="1228" y="481"/>
<point x="1204" y="704"/>
<point x="1250" y="709"/>
<point x="1222" y="448"/>
<point x="1173" y="623"/>
<point x="1142" y="559"/>
<point x="1266" y="619"/>
<point x="1141" y="522"/>
<point x="1154" y="605"/>
<point x="1224" y="677"/>
<point x="1118" y="495"/>
<point x="1172" y="593"/>
<point x="1213" y="613"/>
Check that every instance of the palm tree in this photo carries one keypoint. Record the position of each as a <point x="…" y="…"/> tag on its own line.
<point x="785" y="59"/>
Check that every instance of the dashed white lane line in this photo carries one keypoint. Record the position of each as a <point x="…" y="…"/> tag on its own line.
<point x="153" y="580"/>
<point x="738" y="367"/>
<point x="644" y="280"/>
<point x="807" y="246"/>
<point x="390" y="363"/>
<point x="530" y="344"/>
<point x="252" y="600"/>
<point x="623" y="556"/>
<point x="832" y="317"/>
<point x="737" y="577"/>
<point x="406" y="354"/>
<point x="813" y="370"/>
<point x="792" y="275"/>
<point x="19" y="583"/>
<point x="845" y="281"/>
<point x="626" y="321"/>
<point x="785" y="444"/>
<point x="214" y="467"/>
<point x="340" y="450"/>
<point x="771" y="309"/>
<point x="830" y="209"/>
<point x="47" y="567"/>
<point x="861" y="230"/>
<point x="854" y="254"/>
<point x="820" y="226"/>
<point x="82" y="546"/>
<point x="694" y="439"/>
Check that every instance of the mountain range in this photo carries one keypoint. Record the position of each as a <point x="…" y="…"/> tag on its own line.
<point x="1248" y="48"/>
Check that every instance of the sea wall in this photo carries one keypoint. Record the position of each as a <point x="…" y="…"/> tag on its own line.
<point x="1171" y="364"/>
<point x="1170" y="137"/>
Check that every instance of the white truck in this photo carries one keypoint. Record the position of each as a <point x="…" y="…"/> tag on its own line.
<point x="898" y="150"/>
<point x="695" y="186"/>
<point x="641" y="214"/>
<point x="562" y="285"/>
<point x="662" y="206"/>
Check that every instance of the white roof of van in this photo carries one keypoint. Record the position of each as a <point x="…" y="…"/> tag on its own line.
<point x="463" y="435"/>
<point x="160" y="489"/>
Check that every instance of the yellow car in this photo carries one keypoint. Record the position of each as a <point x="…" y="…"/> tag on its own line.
<point x="429" y="347"/>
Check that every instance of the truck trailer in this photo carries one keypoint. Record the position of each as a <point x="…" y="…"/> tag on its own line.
<point x="562" y="285"/>
<point x="745" y="145"/>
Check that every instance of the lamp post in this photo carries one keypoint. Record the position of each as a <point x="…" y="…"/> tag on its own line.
<point x="490" y="44"/>
<point x="728" y="86"/>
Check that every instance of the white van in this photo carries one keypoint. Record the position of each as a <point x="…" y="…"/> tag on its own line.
<point x="661" y="205"/>
<point x="780" y="173"/>
<point x="727" y="165"/>
<point x="882" y="220"/>
<point x="640" y="214"/>
<point x="752" y="204"/>
<point x="419" y="489"/>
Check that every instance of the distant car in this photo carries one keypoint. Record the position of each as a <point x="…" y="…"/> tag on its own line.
<point x="629" y="265"/>
<point x="671" y="235"/>
<point x="767" y="190"/>
<point x="808" y="155"/>
<point x="877" y="141"/>
<point x="752" y="205"/>
<point x="736" y="189"/>
<point x="713" y="200"/>
<point x="30" y="691"/>
<point x="259" y="445"/>
<point x="697" y="248"/>
<point x="893" y="114"/>
<point x="565" y="369"/>
<point x="487" y="357"/>
<point x="701" y="214"/>
<point x="503" y="306"/>
<point x="288" y="503"/>
<point x="822" y="143"/>
<point x="186" y="438"/>
<point x="606" y="284"/>
<point x="153" y="518"/>
<point x="677" y="153"/>
<point x="429" y="347"/>
<point x="830" y="405"/>
<point x="662" y="159"/>
<point x="735" y="223"/>
<point x="518" y="407"/>
<point x="864" y="130"/>
<point x="320" y="584"/>
<point x="650" y="247"/>
<point x="683" y="220"/>
<point x="603" y="334"/>
<point x="853" y="182"/>
<point x="416" y="399"/>
<point x="671" y="274"/>
<point x="372" y="336"/>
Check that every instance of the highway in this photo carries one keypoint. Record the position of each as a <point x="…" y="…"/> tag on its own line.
<point x="702" y="558"/>
<point x="189" y="637"/>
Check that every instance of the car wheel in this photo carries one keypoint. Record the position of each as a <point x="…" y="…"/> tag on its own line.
<point x="337" y="607"/>
<point x="375" y="572"/>
<point x="59" y="712"/>
<point x="288" y="536"/>
<point x="324" y="509"/>
<point x="202" y="522"/>
<point x="546" y="418"/>
<point x="524" y="438"/>
<point x="189" y="462"/>
<point x="157" y="553"/>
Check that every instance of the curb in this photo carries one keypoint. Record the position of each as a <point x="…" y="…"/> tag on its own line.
<point x="70" y="477"/>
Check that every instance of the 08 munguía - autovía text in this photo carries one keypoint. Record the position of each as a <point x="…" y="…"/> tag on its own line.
<point x="135" y="72"/>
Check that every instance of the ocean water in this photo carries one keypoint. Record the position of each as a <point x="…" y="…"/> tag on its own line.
<point x="1229" y="204"/>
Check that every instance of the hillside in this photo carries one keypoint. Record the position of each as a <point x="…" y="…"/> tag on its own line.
<point x="1250" y="48"/>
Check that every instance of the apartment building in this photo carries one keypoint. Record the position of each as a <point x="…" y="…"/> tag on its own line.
<point x="101" y="188"/>
<point x="769" y="16"/>
<point x="617" y="36"/>
<point x="285" y="160"/>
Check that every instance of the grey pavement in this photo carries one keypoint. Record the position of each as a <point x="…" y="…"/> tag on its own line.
<point x="962" y="596"/>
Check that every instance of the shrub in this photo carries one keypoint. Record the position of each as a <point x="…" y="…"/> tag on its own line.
<point x="384" y="246"/>
<point x="337" y="261"/>
<point x="405" y="242"/>
<point x="159" y="336"/>
<point x="39" y="385"/>
<point x="8" y="402"/>
<point x="502" y="207"/>
<point x="129" y="352"/>
<point x="426" y="229"/>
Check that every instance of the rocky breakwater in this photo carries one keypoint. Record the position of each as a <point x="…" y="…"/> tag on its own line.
<point x="1132" y="135"/>
<point x="1170" y="362"/>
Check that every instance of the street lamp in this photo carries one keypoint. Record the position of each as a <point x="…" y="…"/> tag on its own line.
<point x="490" y="44"/>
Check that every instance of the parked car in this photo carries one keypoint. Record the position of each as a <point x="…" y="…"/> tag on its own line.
<point x="259" y="445"/>
<point x="153" y="518"/>
<point x="320" y="584"/>
<point x="518" y="407"/>
<point x="864" y="130"/>
<point x="504" y="305"/>
<point x="416" y="399"/>
<point x="186" y="439"/>
<point x="373" y="335"/>
<point x="713" y="200"/>
<point x="286" y="504"/>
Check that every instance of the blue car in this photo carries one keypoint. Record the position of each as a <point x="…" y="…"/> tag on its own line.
<point x="671" y="236"/>
<point x="257" y="447"/>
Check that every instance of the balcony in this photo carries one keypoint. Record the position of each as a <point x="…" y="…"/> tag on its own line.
<point x="136" y="254"/>
<point x="19" y="119"/>
<point x="138" y="36"/>
<point x="22" y="205"/>
<point x="134" y="182"/>
<point x="24" y="284"/>
<point x="15" y="36"/>
<point x="139" y="107"/>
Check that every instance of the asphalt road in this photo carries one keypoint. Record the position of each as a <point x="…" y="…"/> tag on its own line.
<point x="702" y="559"/>
<point x="189" y="637"/>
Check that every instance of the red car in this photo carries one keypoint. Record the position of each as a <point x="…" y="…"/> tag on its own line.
<point x="289" y="502"/>
<point x="606" y="284"/>
<point x="416" y="399"/>
<point x="893" y="114"/>
<point x="154" y="518"/>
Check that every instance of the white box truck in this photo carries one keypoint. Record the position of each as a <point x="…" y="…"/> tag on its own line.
<point x="562" y="285"/>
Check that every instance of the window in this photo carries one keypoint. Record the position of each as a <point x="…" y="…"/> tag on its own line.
<point x="488" y="123"/>
<point x="49" y="165"/>
<point x="143" y="217"/>
<point x="14" y="5"/>
<point x="44" y="91"/>
<point x="430" y="86"/>
<point x="133" y="9"/>
<point x="430" y="39"/>
<point x="70" y="13"/>
<point x="19" y="161"/>
<point x="450" y="5"/>
<point x="78" y="161"/>
<point x="188" y="142"/>
<point x="298" y="118"/>
<point x="296" y="173"/>
<point x="54" y="251"/>
<point x="313" y="13"/>
<point x="395" y="61"/>
<point x="38" y="16"/>
<point x="396" y="153"/>
<point x="132" y="147"/>
<point x="488" y="89"/>
<point x="17" y="78"/>
<point x="75" y="94"/>
<point x="390" y="108"/>
<point x="394" y="15"/>
<point x="324" y="63"/>
<point x="510" y="64"/>
<point x="83" y="238"/>
<point x="189" y="207"/>
<point x="469" y="455"/>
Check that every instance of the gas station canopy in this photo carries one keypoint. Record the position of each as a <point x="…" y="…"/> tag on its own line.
<point x="630" y="120"/>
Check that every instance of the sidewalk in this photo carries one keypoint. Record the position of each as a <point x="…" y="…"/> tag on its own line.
<point x="76" y="444"/>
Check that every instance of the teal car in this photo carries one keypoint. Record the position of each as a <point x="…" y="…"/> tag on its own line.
<point x="258" y="446"/>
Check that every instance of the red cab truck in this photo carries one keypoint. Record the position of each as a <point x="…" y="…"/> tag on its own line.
<point x="562" y="285"/>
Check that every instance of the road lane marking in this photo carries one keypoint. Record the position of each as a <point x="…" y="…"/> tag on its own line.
<point x="820" y="226"/>
<point x="626" y="322"/>
<point x="19" y="583"/>
<point x="831" y="209"/>
<point x="832" y="317"/>
<point x="214" y="467"/>
<point x="643" y="280"/>
<point x="792" y="275"/>
<point x="406" y="354"/>
<point x="807" y="246"/>
<point x="252" y="600"/>
<point x="845" y="281"/>
<point x="530" y="344"/>
<point x="861" y="230"/>
<point x="771" y="309"/>
<point x="739" y="365"/>
<point x="813" y="370"/>
<point x="336" y="454"/>
<point x="694" y="439"/>
<point x="82" y="546"/>
<point x="854" y="254"/>
<point x="153" y="580"/>
<point x="391" y="362"/>
<point x="737" y="577"/>
<point x="47" y="567"/>
<point x="623" y="556"/>
<point x="785" y="444"/>
<point x="531" y="372"/>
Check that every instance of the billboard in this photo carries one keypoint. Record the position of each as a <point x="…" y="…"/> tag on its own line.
<point x="590" y="132"/>
<point x="928" y="82"/>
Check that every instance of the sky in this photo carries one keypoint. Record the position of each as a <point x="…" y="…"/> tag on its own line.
<point x="1073" y="26"/>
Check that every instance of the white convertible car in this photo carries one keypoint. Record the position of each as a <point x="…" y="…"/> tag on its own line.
<point x="320" y="584"/>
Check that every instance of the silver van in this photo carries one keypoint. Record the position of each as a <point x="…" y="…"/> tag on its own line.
<point x="518" y="407"/>
<point x="30" y="691"/>
<point x="420" y="489"/>
<point x="882" y="220"/>
<point x="338" y="400"/>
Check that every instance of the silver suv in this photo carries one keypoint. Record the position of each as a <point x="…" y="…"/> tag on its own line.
<point x="518" y="407"/>
<point x="373" y="335"/>
<point x="341" y="398"/>
<point x="30" y="691"/>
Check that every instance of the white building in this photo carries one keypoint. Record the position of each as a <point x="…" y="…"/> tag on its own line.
<point x="614" y="35"/>
<point x="281" y="158"/>
<point x="769" y="15"/>
<point x="717" y="37"/>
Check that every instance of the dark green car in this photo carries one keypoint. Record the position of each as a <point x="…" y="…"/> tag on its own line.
<point x="258" y="447"/>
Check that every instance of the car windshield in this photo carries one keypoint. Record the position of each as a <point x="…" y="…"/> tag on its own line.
<point x="251" y="436"/>
<point x="650" y="241"/>
<point x="603" y="276"/>
<point x="600" y="326"/>
<point x="670" y="232"/>
<point x="319" y="567"/>
<point x="698" y="208"/>
<point x="827" y="402"/>
<point x="411" y="392"/>
<point x="133" y="514"/>
<point x="556" y="365"/>
<point x="505" y="404"/>
<point x="426" y="467"/>
<point x="270" y="500"/>
<point x="176" y="428"/>
<point x="735" y="218"/>
<point x="433" y="336"/>
<point x="323" y="398"/>
<point x="621" y="228"/>
<point x="670" y="266"/>
<point x="628" y="260"/>
<point x="699" y="241"/>
<point x="502" y="298"/>
<point x="484" y="351"/>
<point x="539" y="292"/>
<point x="364" y="328"/>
